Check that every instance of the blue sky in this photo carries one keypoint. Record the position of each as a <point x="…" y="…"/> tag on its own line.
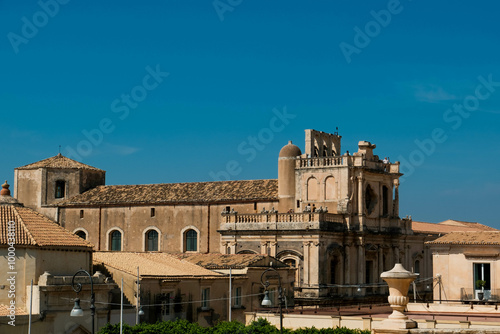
<point x="172" y="91"/>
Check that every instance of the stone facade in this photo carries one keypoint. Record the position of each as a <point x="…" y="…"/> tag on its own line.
<point x="334" y="216"/>
<point x="460" y="260"/>
<point x="29" y="245"/>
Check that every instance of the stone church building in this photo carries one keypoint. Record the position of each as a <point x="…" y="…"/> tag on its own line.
<point x="331" y="214"/>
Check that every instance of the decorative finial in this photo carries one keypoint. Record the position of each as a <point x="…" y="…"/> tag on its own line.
<point x="289" y="142"/>
<point x="5" y="189"/>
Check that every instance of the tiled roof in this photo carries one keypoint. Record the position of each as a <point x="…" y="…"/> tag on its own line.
<point x="195" y="192"/>
<point x="475" y="225"/>
<point x="469" y="238"/>
<point x="449" y="226"/>
<point x="34" y="229"/>
<point x="4" y="311"/>
<point x="161" y="265"/>
<point x="58" y="161"/>
<point x="224" y="261"/>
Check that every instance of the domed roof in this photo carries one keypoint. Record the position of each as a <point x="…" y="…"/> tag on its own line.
<point x="290" y="151"/>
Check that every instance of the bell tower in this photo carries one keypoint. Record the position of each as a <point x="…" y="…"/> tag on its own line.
<point x="43" y="184"/>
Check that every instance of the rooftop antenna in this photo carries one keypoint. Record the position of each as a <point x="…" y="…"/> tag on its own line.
<point x="59" y="149"/>
<point x="336" y="131"/>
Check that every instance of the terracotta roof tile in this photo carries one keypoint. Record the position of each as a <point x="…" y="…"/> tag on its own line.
<point x="195" y="192"/>
<point x="34" y="229"/>
<point x="475" y="225"/>
<point x="469" y="238"/>
<point x="4" y="311"/>
<point x="58" y="161"/>
<point x="223" y="261"/>
<point x="448" y="227"/>
<point x="161" y="265"/>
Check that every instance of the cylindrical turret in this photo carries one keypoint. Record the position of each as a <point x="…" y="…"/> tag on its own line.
<point x="286" y="177"/>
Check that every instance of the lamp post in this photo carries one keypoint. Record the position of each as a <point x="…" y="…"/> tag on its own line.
<point x="266" y="301"/>
<point x="77" y="287"/>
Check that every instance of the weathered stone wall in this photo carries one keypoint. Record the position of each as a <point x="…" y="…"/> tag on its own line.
<point x="169" y="220"/>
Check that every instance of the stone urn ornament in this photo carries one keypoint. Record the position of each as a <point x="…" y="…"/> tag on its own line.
<point x="399" y="280"/>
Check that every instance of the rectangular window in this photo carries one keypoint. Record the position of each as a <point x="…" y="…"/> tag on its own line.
<point x="153" y="212"/>
<point x="333" y="274"/>
<point x="191" y="241"/>
<point x="205" y="298"/>
<point x="237" y="297"/>
<point x="165" y="305"/>
<point x="368" y="271"/>
<point x="60" y="189"/>
<point x="255" y="205"/>
<point x="81" y="214"/>
<point x="385" y="201"/>
<point x="482" y="273"/>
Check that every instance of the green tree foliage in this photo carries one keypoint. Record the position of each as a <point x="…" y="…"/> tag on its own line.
<point x="259" y="326"/>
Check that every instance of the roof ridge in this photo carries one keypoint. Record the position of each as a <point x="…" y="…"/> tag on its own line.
<point x="45" y="163"/>
<point x="172" y="183"/>
<point x="23" y="224"/>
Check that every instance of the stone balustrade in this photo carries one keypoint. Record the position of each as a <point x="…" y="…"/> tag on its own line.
<point x="346" y="160"/>
<point x="265" y="221"/>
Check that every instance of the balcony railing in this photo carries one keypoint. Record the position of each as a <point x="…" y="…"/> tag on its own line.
<point x="346" y="160"/>
<point x="304" y="217"/>
<point x="471" y="295"/>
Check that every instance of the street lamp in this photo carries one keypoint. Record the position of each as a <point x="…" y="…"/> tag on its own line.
<point x="266" y="301"/>
<point x="77" y="287"/>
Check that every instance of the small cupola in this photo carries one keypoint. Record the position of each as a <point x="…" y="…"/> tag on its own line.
<point x="5" y="197"/>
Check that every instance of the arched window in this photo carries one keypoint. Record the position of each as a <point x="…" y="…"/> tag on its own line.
<point x="417" y="267"/>
<point x="82" y="234"/>
<point x="312" y="189"/>
<point x="152" y="241"/>
<point x="60" y="189"/>
<point x="115" y="240"/>
<point x="191" y="241"/>
<point x="330" y="188"/>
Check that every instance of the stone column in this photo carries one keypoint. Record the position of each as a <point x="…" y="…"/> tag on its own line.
<point x="408" y="261"/>
<point x="425" y="267"/>
<point x="274" y="246"/>
<point x="396" y="199"/>
<point x="263" y="247"/>
<point x="347" y="265"/>
<point x="361" y="263"/>
<point x="381" y="201"/>
<point x="396" y="254"/>
<point x="224" y="247"/>
<point x="380" y="256"/>
<point x="314" y="255"/>
<point x="306" y="245"/>
<point x="232" y="246"/>
<point x="361" y="202"/>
